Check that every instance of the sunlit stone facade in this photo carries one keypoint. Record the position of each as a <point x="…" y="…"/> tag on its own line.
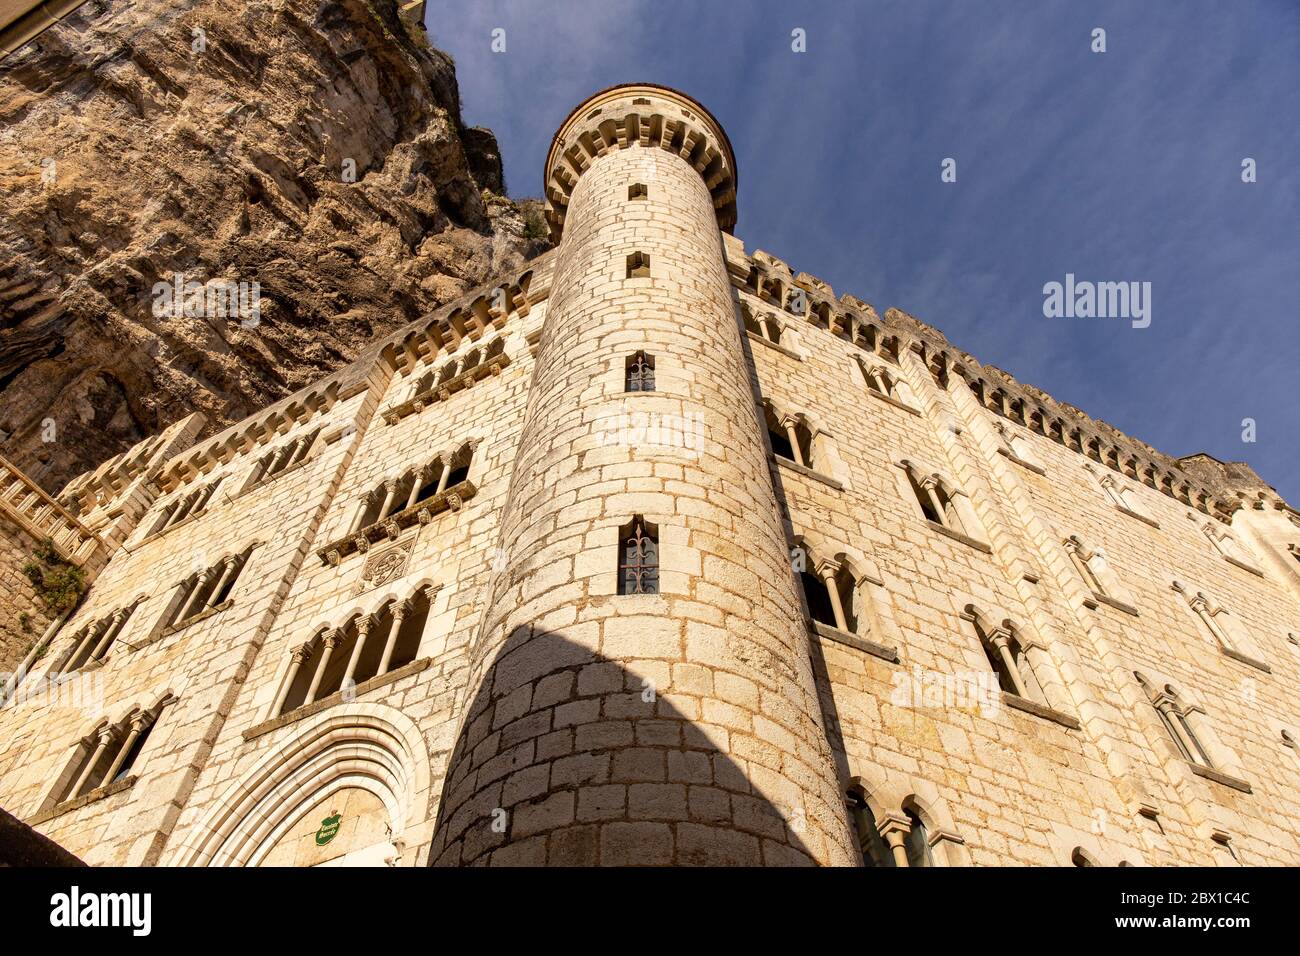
<point x="660" y="553"/>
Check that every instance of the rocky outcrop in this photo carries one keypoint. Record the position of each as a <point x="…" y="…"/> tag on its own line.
<point x="315" y="149"/>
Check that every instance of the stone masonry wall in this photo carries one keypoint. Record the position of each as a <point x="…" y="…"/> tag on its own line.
<point x="22" y="617"/>
<point x="676" y="727"/>
<point x="711" y="722"/>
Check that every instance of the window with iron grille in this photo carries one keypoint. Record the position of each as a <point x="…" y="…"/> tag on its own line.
<point x="638" y="567"/>
<point x="640" y="373"/>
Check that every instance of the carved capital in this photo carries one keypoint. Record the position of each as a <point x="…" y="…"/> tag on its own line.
<point x="893" y="827"/>
<point x="827" y="569"/>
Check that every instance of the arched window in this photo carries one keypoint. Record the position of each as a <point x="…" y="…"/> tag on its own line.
<point x="94" y="641"/>
<point x="640" y="373"/>
<point x="1227" y="545"/>
<point x="830" y="591"/>
<point x="108" y="755"/>
<point x="884" y="381"/>
<point x="1017" y="446"/>
<point x="207" y="590"/>
<point x="939" y="502"/>
<point x="790" y="435"/>
<point x="1093" y="568"/>
<point x="1225" y="629"/>
<point x="1175" y="716"/>
<point x="1008" y="656"/>
<point x="1116" y="488"/>
<point x="766" y="326"/>
<point x="917" y="841"/>
<point x="338" y="659"/>
<point x="638" y="563"/>
<point x="184" y="506"/>
<point x="397" y="495"/>
<point x="875" y="851"/>
<point x="278" y="461"/>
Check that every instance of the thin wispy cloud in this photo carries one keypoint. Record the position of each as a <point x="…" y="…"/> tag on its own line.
<point x="1116" y="166"/>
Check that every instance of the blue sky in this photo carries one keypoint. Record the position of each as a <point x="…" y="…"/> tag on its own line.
<point x="1122" y="166"/>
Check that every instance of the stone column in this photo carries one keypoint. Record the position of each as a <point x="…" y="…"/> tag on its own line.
<point x="390" y="644"/>
<point x="1002" y="641"/>
<point x="110" y="633"/>
<point x="195" y="596"/>
<point x="295" y="664"/>
<point x="229" y="568"/>
<point x="895" y="830"/>
<point x="442" y="478"/>
<point x="138" y="724"/>
<point x="679" y="727"/>
<point x="827" y="571"/>
<point x="792" y="435"/>
<point x="104" y="739"/>
<point x="363" y="634"/>
<point x="333" y="640"/>
<point x="390" y="492"/>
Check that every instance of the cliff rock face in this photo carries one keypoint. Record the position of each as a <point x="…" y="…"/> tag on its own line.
<point x="315" y="149"/>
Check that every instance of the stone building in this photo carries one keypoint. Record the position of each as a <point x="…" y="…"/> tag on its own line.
<point x="657" y="552"/>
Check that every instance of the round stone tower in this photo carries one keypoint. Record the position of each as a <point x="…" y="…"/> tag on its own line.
<point x="678" y="723"/>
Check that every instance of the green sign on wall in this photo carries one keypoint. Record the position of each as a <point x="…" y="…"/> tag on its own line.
<point x="329" y="829"/>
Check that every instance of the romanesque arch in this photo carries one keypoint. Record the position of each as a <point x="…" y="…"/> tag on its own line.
<point x="370" y="748"/>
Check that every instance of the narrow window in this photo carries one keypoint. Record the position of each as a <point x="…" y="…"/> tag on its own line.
<point x="460" y="467"/>
<point x="141" y="725"/>
<point x="637" y="191"/>
<point x="108" y="755"/>
<point x="1080" y="857"/>
<point x="1173" y="714"/>
<point x="818" y="597"/>
<point x="781" y="446"/>
<point x="830" y="595"/>
<point x="875" y="852"/>
<point x="791" y="437"/>
<point x="638" y="265"/>
<point x="208" y="590"/>
<point x="1007" y="654"/>
<point x="1174" y="735"/>
<point x="1090" y="565"/>
<point x="926" y="498"/>
<point x="638" y="569"/>
<point x="917" y="842"/>
<point x="640" y="373"/>
<point x="877" y="379"/>
<point x="997" y="650"/>
<point x="95" y="641"/>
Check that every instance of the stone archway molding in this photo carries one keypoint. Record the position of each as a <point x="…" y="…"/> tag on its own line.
<point x="368" y="746"/>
